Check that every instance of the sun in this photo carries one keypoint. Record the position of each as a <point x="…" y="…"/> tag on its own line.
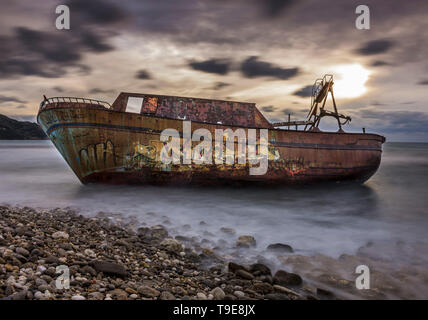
<point x="350" y="80"/>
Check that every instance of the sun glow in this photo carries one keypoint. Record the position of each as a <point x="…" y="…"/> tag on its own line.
<point x="350" y="80"/>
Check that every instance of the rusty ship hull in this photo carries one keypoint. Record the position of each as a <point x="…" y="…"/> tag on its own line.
<point x="106" y="144"/>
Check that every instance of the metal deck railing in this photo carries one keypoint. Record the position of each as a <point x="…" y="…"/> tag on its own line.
<point x="74" y="99"/>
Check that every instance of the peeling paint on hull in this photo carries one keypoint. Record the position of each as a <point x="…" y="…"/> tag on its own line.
<point x="108" y="146"/>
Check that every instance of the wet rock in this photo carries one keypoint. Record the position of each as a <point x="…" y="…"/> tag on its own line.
<point x="207" y="252"/>
<point x="233" y="267"/>
<point x="324" y="293"/>
<point x="96" y="296"/>
<point x="280" y="248"/>
<point x="36" y="252"/>
<point x="61" y="252"/>
<point x="266" y="278"/>
<point x="60" y="235"/>
<point x="201" y="296"/>
<point x="109" y="268"/>
<point x="260" y="269"/>
<point x="21" y="295"/>
<point x="130" y="290"/>
<point x="183" y="238"/>
<point x="244" y="274"/>
<point x="166" y="295"/>
<point x="159" y="232"/>
<point x="22" y="251"/>
<point x="21" y="258"/>
<point x="246" y="242"/>
<point x="41" y="269"/>
<point x="239" y="294"/>
<point x="88" y="270"/>
<point x="285" y="278"/>
<point x="172" y="245"/>
<point x="277" y="296"/>
<point x="285" y="290"/>
<point x="148" y="292"/>
<point x="218" y="293"/>
<point x="119" y="294"/>
<point x="52" y="260"/>
<point x="90" y="253"/>
<point x="228" y="230"/>
<point x="262" y="287"/>
<point x="38" y="295"/>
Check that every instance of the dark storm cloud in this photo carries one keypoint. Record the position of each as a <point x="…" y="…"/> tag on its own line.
<point x="97" y="12"/>
<point x="380" y="63"/>
<point x="58" y="89"/>
<point x="42" y="44"/>
<point x="10" y="99"/>
<point x="95" y="43"/>
<point x="268" y="109"/>
<point x="276" y="7"/>
<point x="304" y="92"/>
<point x="423" y="83"/>
<point x="143" y="75"/>
<point x="98" y="90"/>
<point x="252" y="68"/>
<point x="217" y="66"/>
<point x="293" y="112"/>
<point x="220" y="85"/>
<point x="29" y="52"/>
<point x="375" y="47"/>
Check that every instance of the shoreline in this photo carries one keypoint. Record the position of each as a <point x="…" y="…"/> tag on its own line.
<point x="108" y="261"/>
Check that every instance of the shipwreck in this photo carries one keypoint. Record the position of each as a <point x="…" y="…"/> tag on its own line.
<point x="124" y="142"/>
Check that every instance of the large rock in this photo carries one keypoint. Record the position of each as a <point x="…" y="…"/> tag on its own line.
<point x="158" y="232"/>
<point x="285" y="278"/>
<point x="22" y="251"/>
<point x="148" y="292"/>
<point x="166" y="295"/>
<point x="277" y="296"/>
<point x="244" y="274"/>
<point x="109" y="268"/>
<point x="119" y="294"/>
<point x="280" y="248"/>
<point x="60" y="235"/>
<point x="218" y="293"/>
<point x="285" y="290"/>
<point x="233" y="267"/>
<point x="227" y="230"/>
<point x="246" y="242"/>
<point x="155" y="233"/>
<point x="259" y="269"/>
<point x="262" y="287"/>
<point x="172" y="245"/>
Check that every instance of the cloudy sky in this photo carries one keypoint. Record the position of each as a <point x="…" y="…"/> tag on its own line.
<point x="263" y="51"/>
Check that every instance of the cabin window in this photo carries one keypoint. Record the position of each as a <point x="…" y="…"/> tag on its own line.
<point x="134" y="104"/>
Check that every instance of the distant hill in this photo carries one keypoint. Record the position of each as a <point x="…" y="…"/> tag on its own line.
<point x="11" y="129"/>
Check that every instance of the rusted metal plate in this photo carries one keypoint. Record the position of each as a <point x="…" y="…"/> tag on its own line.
<point x="195" y="109"/>
<point x="111" y="146"/>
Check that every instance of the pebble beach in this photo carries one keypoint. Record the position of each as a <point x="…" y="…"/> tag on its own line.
<point x="108" y="261"/>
